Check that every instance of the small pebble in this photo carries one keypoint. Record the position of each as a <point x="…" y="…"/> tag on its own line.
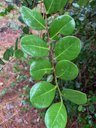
<point x="38" y="119"/>
<point x="1" y="83"/>
<point x="9" y="106"/>
<point x="25" y="122"/>
<point x="19" y="120"/>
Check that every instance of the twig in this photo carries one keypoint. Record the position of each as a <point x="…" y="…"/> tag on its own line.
<point x="73" y="123"/>
<point x="52" y="59"/>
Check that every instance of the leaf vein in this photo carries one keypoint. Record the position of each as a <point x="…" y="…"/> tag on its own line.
<point x="37" y="47"/>
<point x="35" y="19"/>
<point x="56" y="115"/>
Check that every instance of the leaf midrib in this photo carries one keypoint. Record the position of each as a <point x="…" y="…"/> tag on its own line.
<point x="46" y="92"/>
<point x="34" y="18"/>
<point x="56" y="115"/>
<point x="37" y="47"/>
<point x="62" y="73"/>
<point x="50" y="6"/>
<point x="64" y="51"/>
<point x="42" y="69"/>
<point x="60" y="29"/>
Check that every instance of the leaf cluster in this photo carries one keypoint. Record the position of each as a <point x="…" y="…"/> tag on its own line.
<point x="55" y="60"/>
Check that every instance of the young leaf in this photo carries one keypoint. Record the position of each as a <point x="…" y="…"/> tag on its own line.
<point x="63" y="24"/>
<point x="75" y="96"/>
<point x="66" y="70"/>
<point x="8" y="53"/>
<point x="42" y="94"/>
<point x="19" y="54"/>
<point x="39" y="68"/>
<point x="33" y="18"/>
<point x="53" y="6"/>
<point x="67" y="48"/>
<point x="56" y="116"/>
<point x="34" y="46"/>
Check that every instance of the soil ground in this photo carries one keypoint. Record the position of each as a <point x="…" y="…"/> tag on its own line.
<point x="13" y="112"/>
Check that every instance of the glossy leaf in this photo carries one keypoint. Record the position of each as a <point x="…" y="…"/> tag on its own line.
<point x="75" y="96"/>
<point x="56" y="116"/>
<point x="33" y="18"/>
<point x="34" y="46"/>
<point x="66" y="70"/>
<point x="19" y="54"/>
<point x="39" y="68"/>
<point x="42" y="94"/>
<point x="63" y="24"/>
<point x="53" y="6"/>
<point x="67" y="48"/>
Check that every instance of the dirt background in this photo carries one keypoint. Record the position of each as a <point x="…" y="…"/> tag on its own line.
<point x="13" y="112"/>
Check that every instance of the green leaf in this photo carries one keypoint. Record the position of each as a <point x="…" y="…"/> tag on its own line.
<point x="39" y="68"/>
<point x="93" y="99"/>
<point x="67" y="48"/>
<point x="8" y="53"/>
<point x="83" y="2"/>
<point x="56" y="116"/>
<point x="63" y="24"/>
<point x="19" y="54"/>
<point x="6" y="10"/>
<point x="34" y="46"/>
<point x="80" y="108"/>
<point x="16" y="44"/>
<point x="75" y="96"/>
<point x="26" y="30"/>
<point x="53" y="6"/>
<point x="2" y="62"/>
<point x="33" y="18"/>
<point x="66" y="70"/>
<point x="42" y="94"/>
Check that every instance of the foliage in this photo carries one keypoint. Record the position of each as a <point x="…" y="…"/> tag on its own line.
<point x="52" y="56"/>
<point x="10" y="53"/>
<point x="86" y="31"/>
<point x="85" y="20"/>
<point x="26" y="3"/>
<point x="29" y="3"/>
<point x="6" y="10"/>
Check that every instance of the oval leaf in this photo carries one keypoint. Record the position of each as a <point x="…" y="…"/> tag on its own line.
<point x="42" y="94"/>
<point x="53" y="6"/>
<point x="33" y="18"/>
<point x="8" y="53"/>
<point x="56" y="116"/>
<point x="34" y="46"/>
<point x="67" y="48"/>
<point x="63" y="24"/>
<point x="66" y="70"/>
<point x="39" y="68"/>
<point x="75" y="96"/>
